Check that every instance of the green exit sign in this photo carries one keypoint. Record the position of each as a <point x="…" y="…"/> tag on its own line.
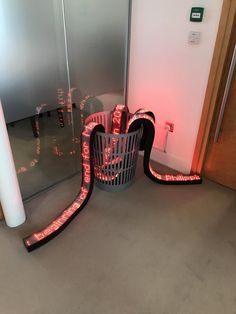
<point x="196" y="14"/>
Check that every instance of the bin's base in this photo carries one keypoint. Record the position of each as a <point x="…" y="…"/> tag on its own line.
<point x="113" y="188"/>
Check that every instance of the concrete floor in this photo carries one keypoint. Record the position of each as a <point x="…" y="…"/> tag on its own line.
<point x="150" y="249"/>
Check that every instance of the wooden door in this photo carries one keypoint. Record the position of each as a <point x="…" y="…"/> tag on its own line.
<point x="220" y="160"/>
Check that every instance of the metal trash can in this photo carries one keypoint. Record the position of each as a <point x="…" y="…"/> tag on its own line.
<point x="115" y="155"/>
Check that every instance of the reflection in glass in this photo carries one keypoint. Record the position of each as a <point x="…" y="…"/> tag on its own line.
<point x="60" y="61"/>
<point x="33" y="76"/>
<point x="96" y="39"/>
<point x="43" y="148"/>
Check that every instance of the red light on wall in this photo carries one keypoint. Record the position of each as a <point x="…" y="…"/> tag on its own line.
<point x="147" y="121"/>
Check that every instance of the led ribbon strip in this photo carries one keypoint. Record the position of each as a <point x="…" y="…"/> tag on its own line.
<point x="60" y="222"/>
<point x="141" y="119"/>
<point x="119" y="118"/>
<point x="118" y="125"/>
<point x="146" y="120"/>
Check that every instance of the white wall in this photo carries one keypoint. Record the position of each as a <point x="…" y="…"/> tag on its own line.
<point x="168" y="75"/>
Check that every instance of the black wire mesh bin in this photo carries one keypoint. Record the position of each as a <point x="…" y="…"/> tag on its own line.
<point x="115" y="155"/>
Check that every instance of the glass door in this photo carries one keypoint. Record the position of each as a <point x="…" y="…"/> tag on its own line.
<point x="60" y="61"/>
<point x="33" y="87"/>
<point x="97" y="37"/>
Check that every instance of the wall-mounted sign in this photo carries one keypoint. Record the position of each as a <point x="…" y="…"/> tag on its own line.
<point x="196" y="14"/>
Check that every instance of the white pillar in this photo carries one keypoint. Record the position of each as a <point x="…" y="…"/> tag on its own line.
<point x="10" y="195"/>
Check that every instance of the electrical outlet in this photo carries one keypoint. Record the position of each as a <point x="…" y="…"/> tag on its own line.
<point x="169" y="126"/>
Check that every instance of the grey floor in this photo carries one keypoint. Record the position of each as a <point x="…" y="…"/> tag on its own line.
<point x="150" y="249"/>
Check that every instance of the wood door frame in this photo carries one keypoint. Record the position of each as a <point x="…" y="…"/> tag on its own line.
<point x="213" y="85"/>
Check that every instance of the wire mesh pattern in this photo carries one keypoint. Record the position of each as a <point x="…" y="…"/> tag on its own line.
<point x="115" y="155"/>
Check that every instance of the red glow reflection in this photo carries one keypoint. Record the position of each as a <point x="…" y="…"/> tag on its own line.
<point x="35" y="160"/>
<point x="82" y="106"/>
<point x="65" y="106"/>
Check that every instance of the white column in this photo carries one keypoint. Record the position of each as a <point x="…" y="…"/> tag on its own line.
<point x="10" y="195"/>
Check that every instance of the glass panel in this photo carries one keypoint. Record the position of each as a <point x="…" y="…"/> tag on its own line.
<point x="33" y="84"/>
<point x="57" y="67"/>
<point x="97" y="37"/>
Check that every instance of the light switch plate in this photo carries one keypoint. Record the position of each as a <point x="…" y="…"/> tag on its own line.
<point x="194" y="38"/>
